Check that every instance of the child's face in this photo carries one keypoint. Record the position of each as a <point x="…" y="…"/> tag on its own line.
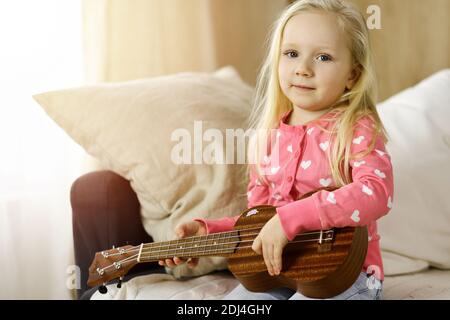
<point x="314" y="53"/>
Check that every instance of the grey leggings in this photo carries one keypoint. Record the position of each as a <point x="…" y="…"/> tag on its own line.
<point x="364" y="288"/>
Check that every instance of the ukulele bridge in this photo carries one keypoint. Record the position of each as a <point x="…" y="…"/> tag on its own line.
<point x="326" y="238"/>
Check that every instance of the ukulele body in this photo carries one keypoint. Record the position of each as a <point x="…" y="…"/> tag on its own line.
<point x="316" y="270"/>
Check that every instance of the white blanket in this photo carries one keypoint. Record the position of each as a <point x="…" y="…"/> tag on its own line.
<point x="428" y="284"/>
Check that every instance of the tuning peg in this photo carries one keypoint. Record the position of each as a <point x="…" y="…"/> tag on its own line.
<point x="119" y="285"/>
<point x="102" y="289"/>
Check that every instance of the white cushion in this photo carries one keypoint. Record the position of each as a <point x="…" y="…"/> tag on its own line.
<point x="159" y="286"/>
<point x="418" y="226"/>
<point x="128" y="127"/>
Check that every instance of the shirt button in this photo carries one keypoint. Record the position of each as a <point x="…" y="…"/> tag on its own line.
<point x="289" y="179"/>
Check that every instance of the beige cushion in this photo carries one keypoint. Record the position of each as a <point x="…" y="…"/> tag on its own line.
<point x="418" y="226"/>
<point x="128" y="127"/>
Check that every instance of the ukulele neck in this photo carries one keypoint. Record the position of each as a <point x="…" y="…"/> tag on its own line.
<point x="221" y="244"/>
<point x="215" y="244"/>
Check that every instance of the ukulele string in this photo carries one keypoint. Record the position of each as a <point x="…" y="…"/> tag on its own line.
<point x="152" y="256"/>
<point x="222" y="241"/>
<point x="233" y="234"/>
<point x="214" y="251"/>
<point x="122" y="261"/>
<point x="217" y="237"/>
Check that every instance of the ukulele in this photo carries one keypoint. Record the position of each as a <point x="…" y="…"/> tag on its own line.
<point x="318" y="264"/>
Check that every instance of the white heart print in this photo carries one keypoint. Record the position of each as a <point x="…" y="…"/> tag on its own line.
<point x="274" y="169"/>
<point x="266" y="159"/>
<point x="367" y="190"/>
<point x="389" y="203"/>
<point x="331" y="198"/>
<point x="358" y="140"/>
<point x="251" y="212"/>
<point x="324" y="145"/>
<point x="358" y="163"/>
<point x="277" y="196"/>
<point x="249" y="194"/>
<point x="309" y="131"/>
<point x="305" y="164"/>
<point x="289" y="148"/>
<point x="355" y="216"/>
<point x="380" y="173"/>
<point x="325" y="182"/>
<point x="381" y="153"/>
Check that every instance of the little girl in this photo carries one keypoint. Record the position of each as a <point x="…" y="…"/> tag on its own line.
<point x="316" y="89"/>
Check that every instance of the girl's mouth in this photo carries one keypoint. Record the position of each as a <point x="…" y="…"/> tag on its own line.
<point x="304" y="88"/>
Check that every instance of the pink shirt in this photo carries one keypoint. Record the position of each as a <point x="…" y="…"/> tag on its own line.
<point x="303" y="167"/>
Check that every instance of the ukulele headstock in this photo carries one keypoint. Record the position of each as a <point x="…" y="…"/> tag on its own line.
<point x="111" y="264"/>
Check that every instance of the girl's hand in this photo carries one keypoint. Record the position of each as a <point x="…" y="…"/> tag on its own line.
<point x="271" y="240"/>
<point x="193" y="228"/>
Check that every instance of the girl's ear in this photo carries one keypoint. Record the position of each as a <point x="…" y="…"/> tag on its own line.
<point x="353" y="78"/>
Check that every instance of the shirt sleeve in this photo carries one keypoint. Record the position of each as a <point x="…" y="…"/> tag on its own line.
<point x="366" y="199"/>
<point x="219" y="225"/>
<point x="257" y="194"/>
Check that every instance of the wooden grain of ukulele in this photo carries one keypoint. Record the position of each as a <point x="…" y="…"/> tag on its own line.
<point x="318" y="264"/>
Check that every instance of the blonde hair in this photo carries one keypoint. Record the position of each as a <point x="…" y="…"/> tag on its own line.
<point x="270" y="103"/>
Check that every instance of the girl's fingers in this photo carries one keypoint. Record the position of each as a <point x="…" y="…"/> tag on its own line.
<point x="266" y="258"/>
<point x="191" y="228"/>
<point x="180" y="231"/>
<point x="270" y="258"/>
<point x="277" y="263"/>
<point x="261" y="248"/>
<point x="170" y="263"/>
<point x="256" y="246"/>
<point x="186" y="229"/>
<point x="178" y="260"/>
<point x="192" y="262"/>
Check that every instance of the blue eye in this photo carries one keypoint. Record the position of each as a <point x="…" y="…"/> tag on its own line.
<point x="327" y="58"/>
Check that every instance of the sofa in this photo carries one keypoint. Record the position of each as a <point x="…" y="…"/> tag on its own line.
<point x="106" y="213"/>
<point x="139" y="190"/>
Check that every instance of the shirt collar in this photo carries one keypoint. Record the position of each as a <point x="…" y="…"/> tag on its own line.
<point x="322" y="120"/>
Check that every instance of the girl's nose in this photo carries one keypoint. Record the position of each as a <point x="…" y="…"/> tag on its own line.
<point x="303" y="69"/>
